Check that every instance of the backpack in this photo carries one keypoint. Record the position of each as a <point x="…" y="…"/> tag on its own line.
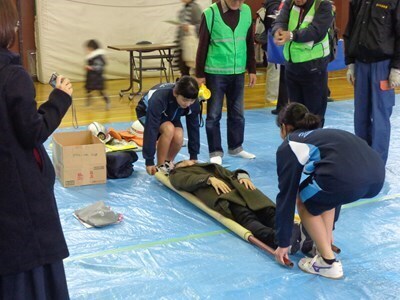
<point x="260" y="34"/>
<point x="119" y="163"/>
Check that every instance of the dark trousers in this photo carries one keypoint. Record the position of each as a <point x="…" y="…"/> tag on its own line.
<point x="41" y="283"/>
<point x="261" y="222"/>
<point x="231" y="86"/>
<point x="310" y="90"/>
<point x="282" y="92"/>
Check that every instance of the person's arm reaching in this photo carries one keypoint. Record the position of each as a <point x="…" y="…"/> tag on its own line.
<point x="33" y="126"/>
<point x="202" y="50"/>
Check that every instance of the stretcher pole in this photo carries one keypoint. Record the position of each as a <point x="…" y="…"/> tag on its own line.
<point x="229" y="223"/>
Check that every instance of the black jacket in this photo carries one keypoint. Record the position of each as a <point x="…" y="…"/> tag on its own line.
<point x="271" y="7"/>
<point x="159" y="105"/>
<point x="373" y="32"/>
<point x="315" y="32"/>
<point x="94" y="78"/>
<point x="30" y="229"/>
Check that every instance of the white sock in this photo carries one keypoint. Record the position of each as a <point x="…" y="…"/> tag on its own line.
<point x="244" y="154"/>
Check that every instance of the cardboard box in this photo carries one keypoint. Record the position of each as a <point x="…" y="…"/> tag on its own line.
<point x="79" y="158"/>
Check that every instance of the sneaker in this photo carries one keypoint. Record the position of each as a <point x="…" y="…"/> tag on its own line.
<point x="244" y="154"/>
<point x="306" y="243"/>
<point x="314" y="251"/>
<point x="216" y="160"/>
<point x="318" y="266"/>
<point x="164" y="168"/>
<point x="295" y="239"/>
<point x="168" y="165"/>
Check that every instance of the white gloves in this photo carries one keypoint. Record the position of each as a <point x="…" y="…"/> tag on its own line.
<point x="394" y="78"/>
<point x="350" y="74"/>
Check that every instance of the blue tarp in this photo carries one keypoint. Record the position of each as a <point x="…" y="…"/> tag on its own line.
<point x="167" y="249"/>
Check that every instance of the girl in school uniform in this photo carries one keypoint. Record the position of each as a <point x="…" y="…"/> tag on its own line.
<point x="319" y="170"/>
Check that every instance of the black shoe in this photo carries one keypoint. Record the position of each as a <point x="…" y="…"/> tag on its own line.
<point x="306" y="243"/>
<point x="274" y="112"/>
<point x="330" y="99"/>
<point x="295" y="239"/>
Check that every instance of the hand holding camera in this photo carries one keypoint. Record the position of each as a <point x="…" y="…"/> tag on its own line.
<point x="61" y="82"/>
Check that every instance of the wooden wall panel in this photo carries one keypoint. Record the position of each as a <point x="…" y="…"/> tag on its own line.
<point x="25" y="41"/>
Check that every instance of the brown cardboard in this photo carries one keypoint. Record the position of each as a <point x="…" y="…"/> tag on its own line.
<point x="79" y="158"/>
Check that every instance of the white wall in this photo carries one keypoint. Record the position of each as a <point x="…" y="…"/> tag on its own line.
<point x="63" y="26"/>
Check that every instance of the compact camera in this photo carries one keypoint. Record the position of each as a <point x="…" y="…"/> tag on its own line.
<point x="53" y="79"/>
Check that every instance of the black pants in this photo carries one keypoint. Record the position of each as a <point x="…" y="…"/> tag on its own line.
<point x="310" y="90"/>
<point x="282" y="93"/>
<point x="261" y="222"/>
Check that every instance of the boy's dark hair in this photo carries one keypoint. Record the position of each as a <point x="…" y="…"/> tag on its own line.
<point x="298" y="116"/>
<point x="8" y="22"/>
<point x="92" y="44"/>
<point x="187" y="87"/>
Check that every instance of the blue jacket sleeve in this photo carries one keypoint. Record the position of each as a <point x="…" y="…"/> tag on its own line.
<point x="156" y="105"/>
<point x="289" y="175"/>
<point x="319" y="26"/>
<point x="193" y="128"/>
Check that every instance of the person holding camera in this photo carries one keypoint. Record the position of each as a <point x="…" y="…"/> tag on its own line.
<point x="32" y="243"/>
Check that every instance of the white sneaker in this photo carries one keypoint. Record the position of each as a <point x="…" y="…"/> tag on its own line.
<point x="164" y="168"/>
<point x="216" y="160"/>
<point x="318" y="266"/>
<point x="244" y="154"/>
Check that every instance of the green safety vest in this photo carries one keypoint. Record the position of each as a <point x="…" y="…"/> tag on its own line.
<point x="227" y="51"/>
<point x="302" y="52"/>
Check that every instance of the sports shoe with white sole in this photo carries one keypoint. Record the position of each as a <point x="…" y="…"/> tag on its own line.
<point x="318" y="266"/>
<point x="216" y="160"/>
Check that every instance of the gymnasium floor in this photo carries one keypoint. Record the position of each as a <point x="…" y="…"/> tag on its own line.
<point x="165" y="248"/>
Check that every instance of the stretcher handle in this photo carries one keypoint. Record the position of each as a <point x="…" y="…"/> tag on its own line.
<point x="268" y="249"/>
<point x="335" y="249"/>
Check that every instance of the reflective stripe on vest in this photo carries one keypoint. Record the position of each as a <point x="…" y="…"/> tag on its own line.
<point x="227" y="51"/>
<point x="302" y="52"/>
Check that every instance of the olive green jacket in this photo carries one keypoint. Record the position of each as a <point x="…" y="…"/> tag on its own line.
<point x="194" y="179"/>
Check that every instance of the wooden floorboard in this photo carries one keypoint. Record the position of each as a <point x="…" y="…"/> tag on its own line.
<point x="122" y="109"/>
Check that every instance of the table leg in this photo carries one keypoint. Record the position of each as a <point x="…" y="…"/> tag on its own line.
<point x="131" y="62"/>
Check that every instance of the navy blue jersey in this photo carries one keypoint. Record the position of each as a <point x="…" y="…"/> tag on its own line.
<point x="335" y="159"/>
<point x="159" y="105"/>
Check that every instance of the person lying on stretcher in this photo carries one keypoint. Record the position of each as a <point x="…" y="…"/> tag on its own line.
<point x="234" y="196"/>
